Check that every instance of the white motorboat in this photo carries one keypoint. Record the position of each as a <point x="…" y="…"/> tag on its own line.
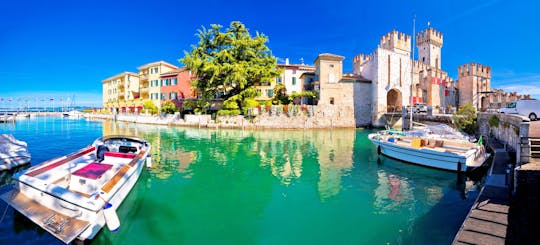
<point x="74" y="196"/>
<point x="430" y="150"/>
<point x="13" y="152"/>
<point x="73" y="114"/>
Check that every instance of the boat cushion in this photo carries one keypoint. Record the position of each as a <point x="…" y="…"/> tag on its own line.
<point x="119" y="154"/>
<point x="93" y="170"/>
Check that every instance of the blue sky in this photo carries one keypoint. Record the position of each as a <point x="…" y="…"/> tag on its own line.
<point x="58" y="49"/>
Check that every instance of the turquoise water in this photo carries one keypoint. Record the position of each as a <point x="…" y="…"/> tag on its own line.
<point x="258" y="187"/>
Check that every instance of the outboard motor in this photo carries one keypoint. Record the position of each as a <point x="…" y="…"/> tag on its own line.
<point x="100" y="156"/>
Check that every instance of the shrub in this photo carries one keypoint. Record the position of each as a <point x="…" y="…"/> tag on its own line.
<point x="465" y="119"/>
<point x="493" y="121"/>
<point x="150" y="106"/>
<point x="169" y="107"/>
<point x="235" y="112"/>
<point x="249" y="103"/>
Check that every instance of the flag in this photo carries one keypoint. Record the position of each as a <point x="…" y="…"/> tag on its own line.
<point x="480" y="141"/>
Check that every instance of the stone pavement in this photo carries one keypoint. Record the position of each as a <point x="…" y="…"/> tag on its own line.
<point x="487" y="222"/>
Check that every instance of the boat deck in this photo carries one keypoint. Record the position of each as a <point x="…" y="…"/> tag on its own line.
<point x="59" y="225"/>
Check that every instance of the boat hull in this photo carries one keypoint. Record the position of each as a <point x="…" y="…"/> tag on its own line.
<point x="72" y="190"/>
<point x="423" y="156"/>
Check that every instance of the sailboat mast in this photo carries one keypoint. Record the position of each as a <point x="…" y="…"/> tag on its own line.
<point x="412" y="74"/>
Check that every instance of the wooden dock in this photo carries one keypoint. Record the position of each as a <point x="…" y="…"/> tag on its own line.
<point x="59" y="225"/>
<point x="487" y="221"/>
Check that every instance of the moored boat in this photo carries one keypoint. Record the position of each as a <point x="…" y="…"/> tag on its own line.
<point x="74" y="196"/>
<point x="430" y="150"/>
<point x="13" y="152"/>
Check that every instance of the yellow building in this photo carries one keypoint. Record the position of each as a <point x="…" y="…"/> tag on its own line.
<point x="150" y="80"/>
<point x="120" y="91"/>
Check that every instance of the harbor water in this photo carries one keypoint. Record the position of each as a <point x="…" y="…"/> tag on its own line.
<point x="211" y="186"/>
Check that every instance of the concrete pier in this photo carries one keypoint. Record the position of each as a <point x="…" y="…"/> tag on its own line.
<point x="487" y="221"/>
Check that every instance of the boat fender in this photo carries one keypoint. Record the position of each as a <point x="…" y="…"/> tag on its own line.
<point x="149" y="161"/>
<point x="379" y="150"/>
<point x="111" y="218"/>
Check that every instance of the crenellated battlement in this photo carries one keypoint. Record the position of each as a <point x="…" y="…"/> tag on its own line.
<point x="419" y="66"/>
<point x="474" y="69"/>
<point x="396" y="40"/>
<point x="429" y="36"/>
<point x="362" y="58"/>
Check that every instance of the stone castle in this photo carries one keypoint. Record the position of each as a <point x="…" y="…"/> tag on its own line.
<point x="387" y="79"/>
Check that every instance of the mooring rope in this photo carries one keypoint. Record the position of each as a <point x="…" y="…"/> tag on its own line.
<point x="3" y="215"/>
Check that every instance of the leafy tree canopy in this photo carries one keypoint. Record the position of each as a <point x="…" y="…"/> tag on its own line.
<point x="230" y="63"/>
<point x="465" y="119"/>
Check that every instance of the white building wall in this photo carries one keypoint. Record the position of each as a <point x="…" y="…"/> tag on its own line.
<point x="376" y="70"/>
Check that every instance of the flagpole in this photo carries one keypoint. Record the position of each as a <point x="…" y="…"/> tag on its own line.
<point x="412" y="74"/>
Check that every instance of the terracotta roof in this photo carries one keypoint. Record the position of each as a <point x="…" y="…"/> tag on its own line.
<point x="354" y="77"/>
<point x="157" y="63"/>
<point x="328" y="56"/>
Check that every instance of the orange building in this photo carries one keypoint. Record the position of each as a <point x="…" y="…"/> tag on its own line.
<point x="176" y="86"/>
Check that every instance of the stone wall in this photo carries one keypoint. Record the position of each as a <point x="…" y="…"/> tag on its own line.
<point x="508" y="131"/>
<point x="291" y="117"/>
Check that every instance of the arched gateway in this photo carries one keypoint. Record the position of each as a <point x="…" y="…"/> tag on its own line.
<point x="393" y="100"/>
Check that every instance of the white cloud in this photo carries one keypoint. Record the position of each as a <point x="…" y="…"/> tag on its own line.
<point x="525" y="83"/>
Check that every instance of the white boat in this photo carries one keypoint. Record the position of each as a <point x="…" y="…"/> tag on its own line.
<point x="7" y="118"/>
<point x="13" y="152"/>
<point x="74" y="196"/>
<point x="73" y="114"/>
<point x="23" y="115"/>
<point x="430" y="150"/>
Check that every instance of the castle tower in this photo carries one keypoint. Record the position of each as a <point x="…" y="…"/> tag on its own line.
<point x="397" y="42"/>
<point x="429" y="43"/>
<point x="474" y="84"/>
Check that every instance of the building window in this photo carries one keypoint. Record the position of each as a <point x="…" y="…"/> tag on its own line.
<point x="173" y="95"/>
<point x="278" y="80"/>
<point x="174" y="81"/>
<point x="331" y="100"/>
<point x="163" y="96"/>
<point x="294" y="81"/>
<point x="331" y="78"/>
<point x="270" y="92"/>
<point x="331" y="65"/>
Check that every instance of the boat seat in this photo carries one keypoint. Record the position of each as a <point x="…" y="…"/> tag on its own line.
<point x="93" y="170"/>
<point x="120" y="154"/>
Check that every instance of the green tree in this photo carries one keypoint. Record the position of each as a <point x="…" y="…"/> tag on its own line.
<point x="230" y="63"/>
<point x="152" y="108"/>
<point x="169" y="107"/>
<point x="280" y="94"/>
<point x="306" y="94"/>
<point x="465" y="119"/>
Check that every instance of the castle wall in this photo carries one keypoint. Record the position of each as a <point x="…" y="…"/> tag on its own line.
<point x="389" y="76"/>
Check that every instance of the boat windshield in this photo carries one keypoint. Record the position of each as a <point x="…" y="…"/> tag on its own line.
<point x="440" y="130"/>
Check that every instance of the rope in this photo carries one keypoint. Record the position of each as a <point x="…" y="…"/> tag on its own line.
<point x="3" y="215"/>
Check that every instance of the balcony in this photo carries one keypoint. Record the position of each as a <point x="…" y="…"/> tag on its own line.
<point x="143" y="77"/>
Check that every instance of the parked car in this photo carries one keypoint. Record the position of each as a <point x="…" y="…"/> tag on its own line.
<point x="420" y="107"/>
<point x="528" y="108"/>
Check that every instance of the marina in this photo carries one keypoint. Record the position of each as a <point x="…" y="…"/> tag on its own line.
<point x="245" y="187"/>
